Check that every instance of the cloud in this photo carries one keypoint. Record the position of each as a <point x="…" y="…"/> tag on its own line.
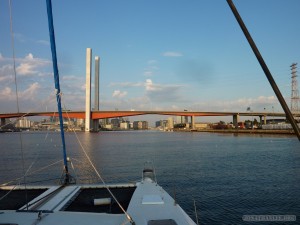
<point x="6" y="73"/>
<point x="148" y="73"/>
<point x="43" y="42"/>
<point x="161" y="93"/>
<point x="127" y="84"/>
<point x="172" y="54"/>
<point x="70" y="77"/>
<point x="258" y="104"/>
<point x="30" y="65"/>
<point x="119" y="94"/>
<point x="151" y="62"/>
<point x="31" y="91"/>
<point x="151" y="68"/>
<point x="6" y="93"/>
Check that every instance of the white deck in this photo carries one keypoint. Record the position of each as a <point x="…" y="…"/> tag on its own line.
<point x="150" y="202"/>
<point x="149" y="205"/>
<point x="61" y="217"/>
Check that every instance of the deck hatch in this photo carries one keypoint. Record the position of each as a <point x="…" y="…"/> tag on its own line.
<point x="162" y="222"/>
<point x="152" y="200"/>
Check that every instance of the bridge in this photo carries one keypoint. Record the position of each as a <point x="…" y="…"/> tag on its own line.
<point x="92" y="117"/>
<point x="96" y="115"/>
<point x="113" y="114"/>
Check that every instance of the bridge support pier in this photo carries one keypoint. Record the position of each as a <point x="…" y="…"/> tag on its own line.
<point x="236" y="119"/>
<point x="2" y="122"/>
<point x="96" y="106"/>
<point x="265" y="119"/>
<point x="193" y="122"/>
<point x="88" y="90"/>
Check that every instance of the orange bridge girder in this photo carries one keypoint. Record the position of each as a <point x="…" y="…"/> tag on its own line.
<point x="113" y="114"/>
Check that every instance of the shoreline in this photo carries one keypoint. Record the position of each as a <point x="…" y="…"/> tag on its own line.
<point x="241" y="131"/>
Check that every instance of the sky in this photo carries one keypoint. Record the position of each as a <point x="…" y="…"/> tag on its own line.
<point x="154" y="55"/>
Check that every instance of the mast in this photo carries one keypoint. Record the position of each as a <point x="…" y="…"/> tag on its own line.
<point x="67" y="177"/>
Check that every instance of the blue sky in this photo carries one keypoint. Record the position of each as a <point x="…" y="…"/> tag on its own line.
<point x="155" y="55"/>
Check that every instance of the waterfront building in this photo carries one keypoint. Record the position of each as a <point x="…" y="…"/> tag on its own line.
<point x="79" y="122"/>
<point x="170" y="123"/>
<point x="140" y="125"/>
<point x="115" y="123"/>
<point x="24" y="123"/>
<point x="161" y="123"/>
<point x="124" y="125"/>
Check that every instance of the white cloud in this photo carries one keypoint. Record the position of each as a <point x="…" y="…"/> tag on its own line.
<point x="126" y="84"/>
<point x="151" y="62"/>
<point x="31" y="92"/>
<point x="70" y="77"/>
<point x="6" y="72"/>
<point x="30" y="65"/>
<point x="6" y="93"/>
<point x="258" y="104"/>
<point x="43" y="42"/>
<point x="150" y="86"/>
<point x="148" y="73"/>
<point x="162" y="93"/>
<point x="119" y="94"/>
<point x="26" y="69"/>
<point x="172" y="54"/>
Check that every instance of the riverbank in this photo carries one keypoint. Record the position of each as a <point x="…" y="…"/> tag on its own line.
<point x="240" y="131"/>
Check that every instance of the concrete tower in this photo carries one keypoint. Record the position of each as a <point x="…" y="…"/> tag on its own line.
<point x="96" y="106"/>
<point x="88" y="89"/>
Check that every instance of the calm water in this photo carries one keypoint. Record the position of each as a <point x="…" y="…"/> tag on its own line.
<point x="228" y="176"/>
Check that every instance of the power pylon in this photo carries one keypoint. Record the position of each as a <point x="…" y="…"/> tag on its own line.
<point x="295" y="92"/>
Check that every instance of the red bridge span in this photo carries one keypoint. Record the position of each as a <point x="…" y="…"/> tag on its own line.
<point x="112" y="114"/>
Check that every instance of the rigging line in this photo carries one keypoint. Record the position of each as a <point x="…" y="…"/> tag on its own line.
<point x="100" y="177"/>
<point x="37" y="155"/>
<point x="74" y="170"/>
<point x="29" y="168"/>
<point x="38" y="170"/>
<point x="49" y="100"/>
<point x="17" y="96"/>
<point x="11" y="191"/>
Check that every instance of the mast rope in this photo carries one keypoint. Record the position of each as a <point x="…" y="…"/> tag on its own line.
<point x="49" y="100"/>
<point x="99" y="176"/>
<point x="33" y="172"/>
<point x="16" y="92"/>
<point x="31" y="165"/>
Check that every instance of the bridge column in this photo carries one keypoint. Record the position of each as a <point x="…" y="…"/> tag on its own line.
<point x="96" y="106"/>
<point x="236" y="119"/>
<point x="261" y="121"/>
<point x="2" y="122"/>
<point x="88" y="90"/>
<point x="193" y="122"/>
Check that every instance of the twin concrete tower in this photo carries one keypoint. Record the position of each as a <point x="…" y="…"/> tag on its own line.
<point x="89" y="123"/>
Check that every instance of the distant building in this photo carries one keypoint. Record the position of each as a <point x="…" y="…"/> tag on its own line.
<point x="170" y="123"/>
<point x="161" y="123"/>
<point x="79" y="122"/>
<point x="124" y="125"/>
<point x="24" y="123"/>
<point x="140" y="125"/>
<point x="201" y="126"/>
<point x="115" y="123"/>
